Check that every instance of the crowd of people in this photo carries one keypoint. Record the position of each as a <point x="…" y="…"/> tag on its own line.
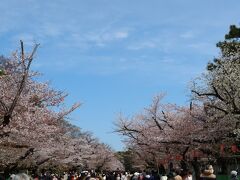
<point x="178" y="174"/>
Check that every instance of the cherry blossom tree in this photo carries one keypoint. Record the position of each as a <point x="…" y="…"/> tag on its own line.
<point x="33" y="131"/>
<point x="162" y="131"/>
<point x="166" y="133"/>
<point x="218" y="89"/>
<point x="27" y="109"/>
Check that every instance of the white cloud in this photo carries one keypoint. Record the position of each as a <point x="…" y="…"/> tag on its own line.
<point x="95" y="38"/>
<point x="187" y="35"/>
<point x="107" y="36"/>
<point x="142" y="45"/>
<point x="121" y="35"/>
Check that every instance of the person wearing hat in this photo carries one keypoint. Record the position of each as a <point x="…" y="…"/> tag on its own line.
<point x="233" y="175"/>
<point x="207" y="173"/>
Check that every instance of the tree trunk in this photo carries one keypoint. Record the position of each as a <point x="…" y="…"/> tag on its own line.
<point x="196" y="168"/>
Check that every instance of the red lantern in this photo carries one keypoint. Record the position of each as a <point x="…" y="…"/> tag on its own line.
<point x="194" y="153"/>
<point x="234" y="148"/>
<point x="222" y="146"/>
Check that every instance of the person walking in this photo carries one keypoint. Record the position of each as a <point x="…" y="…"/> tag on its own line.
<point x="233" y="175"/>
<point x="207" y="173"/>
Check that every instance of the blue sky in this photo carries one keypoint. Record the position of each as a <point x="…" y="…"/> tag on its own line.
<point x="115" y="55"/>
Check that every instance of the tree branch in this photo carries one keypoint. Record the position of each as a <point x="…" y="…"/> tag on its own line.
<point x="8" y="114"/>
